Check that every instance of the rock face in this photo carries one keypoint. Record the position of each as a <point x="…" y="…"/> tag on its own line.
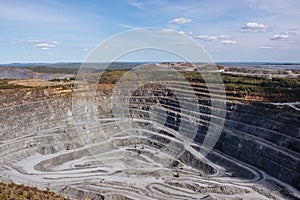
<point x="260" y="134"/>
<point x="265" y="137"/>
<point x="259" y="144"/>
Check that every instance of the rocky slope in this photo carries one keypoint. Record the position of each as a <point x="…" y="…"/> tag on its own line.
<point x="79" y="146"/>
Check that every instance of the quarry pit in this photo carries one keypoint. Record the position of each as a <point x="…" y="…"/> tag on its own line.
<point x="46" y="141"/>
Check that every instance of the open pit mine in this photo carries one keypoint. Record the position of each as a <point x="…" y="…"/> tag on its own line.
<point x="56" y="136"/>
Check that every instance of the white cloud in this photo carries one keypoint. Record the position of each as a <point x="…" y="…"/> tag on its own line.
<point x="228" y="42"/>
<point x="180" y="20"/>
<point x="169" y="30"/>
<point x="185" y="33"/>
<point x="288" y="36"/>
<point x="126" y="26"/>
<point x="254" y="27"/>
<point x="39" y="44"/>
<point x="207" y="38"/>
<point x="46" y="45"/>
<point x="222" y="39"/>
<point x="86" y="49"/>
<point x="29" y="41"/>
<point x="281" y="36"/>
<point x="265" y="47"/>
<point x="45" y="48"/>
<point x="138" y="5"/>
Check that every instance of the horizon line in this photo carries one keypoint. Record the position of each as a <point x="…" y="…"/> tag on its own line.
<point x="80" y="62"/>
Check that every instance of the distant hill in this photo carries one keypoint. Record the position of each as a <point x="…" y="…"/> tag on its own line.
<point x="56" y="71"/>
<point x="41" y="72"/>
<point x="129" y="65"/>
<point x="53" y="70"/>
<point x="76" y="65"/>
<point x="57" y="65"/>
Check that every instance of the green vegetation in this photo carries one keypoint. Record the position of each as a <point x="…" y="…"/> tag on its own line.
<point x="249" y="87"/>
<point x="16" y="192"/>
<point x="237" y="86"/>
<point x="260" y="81"/>
<point x="4" y="84"/>
<point x="193" y="77"/>
<point x="274" y="89"/>
<point x="111" y="76"/>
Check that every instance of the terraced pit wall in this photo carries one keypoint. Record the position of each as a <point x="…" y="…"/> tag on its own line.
<point x="259" y="134"/>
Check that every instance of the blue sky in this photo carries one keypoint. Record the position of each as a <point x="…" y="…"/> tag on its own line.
<point x="231" y="30"/>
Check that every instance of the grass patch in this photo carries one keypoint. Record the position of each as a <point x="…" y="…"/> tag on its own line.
<point x="15" y="191"/>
